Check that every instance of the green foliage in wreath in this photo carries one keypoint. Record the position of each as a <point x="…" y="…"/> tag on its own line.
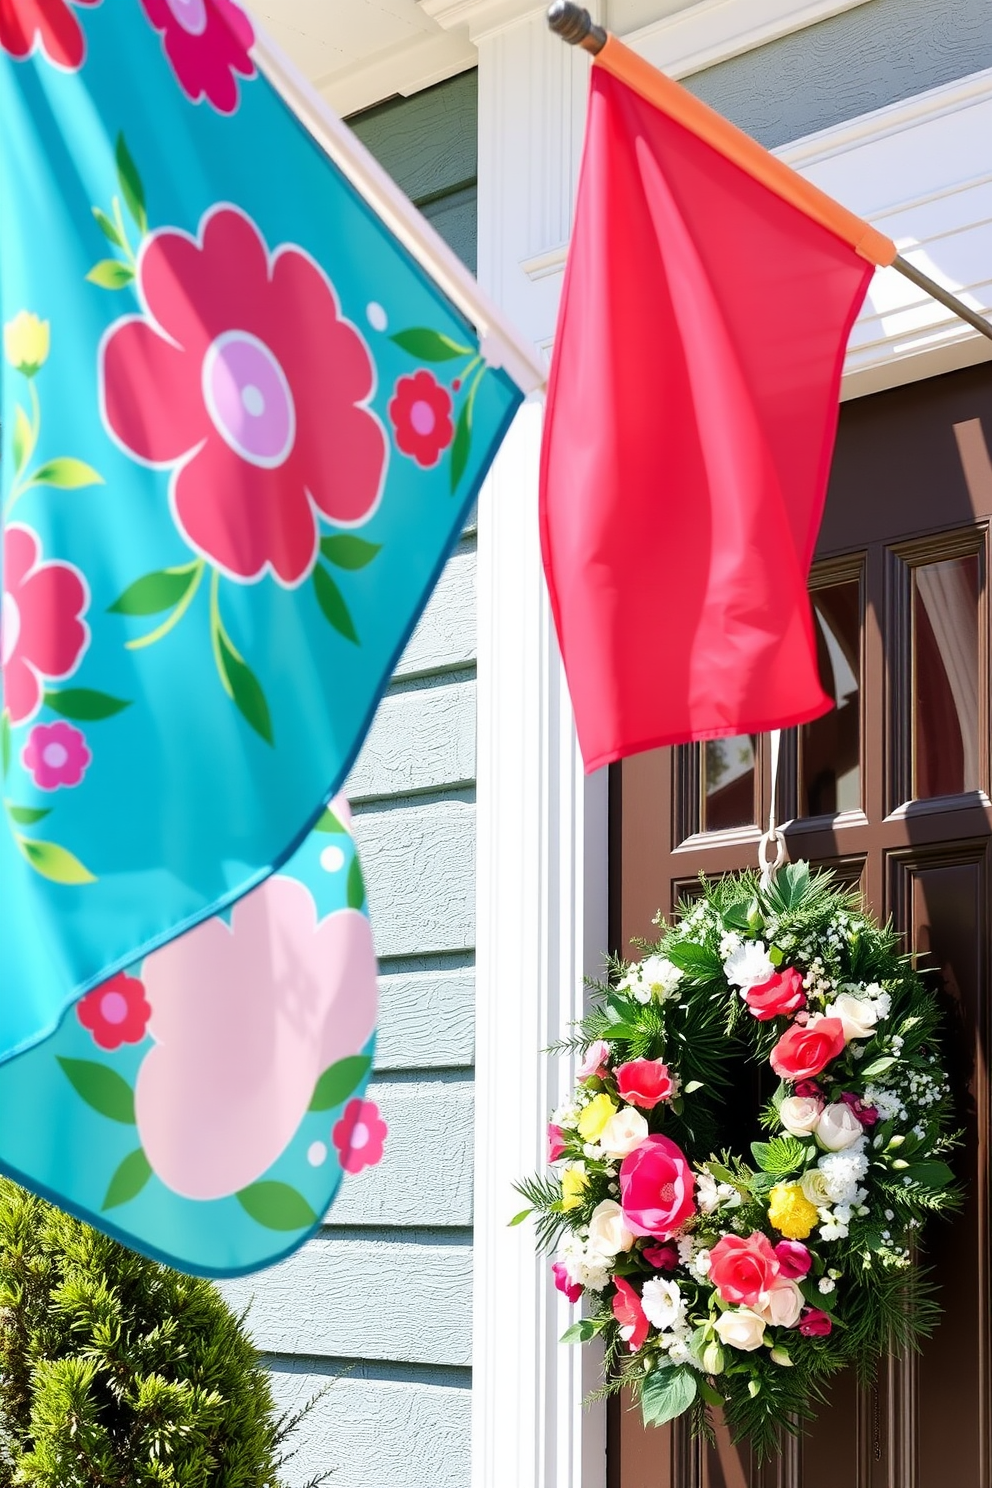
<point x="716" y="1279"/>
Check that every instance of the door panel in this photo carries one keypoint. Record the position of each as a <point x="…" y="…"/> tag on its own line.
<point x="891" y="791"/>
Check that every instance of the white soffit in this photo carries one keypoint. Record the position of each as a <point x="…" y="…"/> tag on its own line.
<point x="359" y="52"/>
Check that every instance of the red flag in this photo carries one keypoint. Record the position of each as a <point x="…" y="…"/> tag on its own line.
<point x="691" y="417"/>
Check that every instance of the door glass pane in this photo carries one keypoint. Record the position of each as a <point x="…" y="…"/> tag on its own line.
<point x="945" y="677"/>
<point x="727" y="771"/>
<point x="830" y="747"/>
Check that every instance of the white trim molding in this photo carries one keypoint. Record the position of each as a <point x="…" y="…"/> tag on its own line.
<point x="542" y="876"/>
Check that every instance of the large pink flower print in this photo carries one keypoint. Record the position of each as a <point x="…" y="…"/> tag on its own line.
<point x="49" y="25"/>
<point x="245" y="379"/>
<point x="42" y="632"/>
<point x="245" y="1018"/>
<point x="207" y="42"/>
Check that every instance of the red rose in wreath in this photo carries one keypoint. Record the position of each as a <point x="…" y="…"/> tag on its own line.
<point x="49" y="25"/>
<point x="420" y="409"/>
<point x="629" y="1314"/>
<point x="244" y="378"/>
<point x="806" y="1050"/>
<point x="783" y="993"/>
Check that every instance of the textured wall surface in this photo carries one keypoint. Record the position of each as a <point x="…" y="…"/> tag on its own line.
<point x="377" y="1309"/>
<point x="846" y="66"/>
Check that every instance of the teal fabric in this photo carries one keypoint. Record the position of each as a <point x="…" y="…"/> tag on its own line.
<point x="183" y="690"/>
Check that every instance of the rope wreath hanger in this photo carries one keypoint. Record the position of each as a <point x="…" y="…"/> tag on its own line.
<point x="744" y="1278"/>
<point x="773" y="837"/>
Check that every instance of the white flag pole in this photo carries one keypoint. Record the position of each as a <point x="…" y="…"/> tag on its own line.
<point x="501" y="344"/>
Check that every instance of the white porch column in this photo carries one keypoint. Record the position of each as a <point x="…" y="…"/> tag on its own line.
<point x="542" y="826"/>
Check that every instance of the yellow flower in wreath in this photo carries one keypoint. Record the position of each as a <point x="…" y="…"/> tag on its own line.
<point x="592" y="1122"/>
<point x="26" y="341"/>
<point x="574" y="1182"/>
<point x="790" y="1211"/>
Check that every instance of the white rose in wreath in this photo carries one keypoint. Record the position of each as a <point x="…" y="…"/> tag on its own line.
<point x="799" y="1114"/>
<point x="782" y="1304"/>
<point x="608" y="1234"/>
<point x="838" y="1127"/>
<point x="815" y="1188"/>
<point x="741" y="1329"/>
<point x="623" y="1132"/>
<point x="857" y="1016"/>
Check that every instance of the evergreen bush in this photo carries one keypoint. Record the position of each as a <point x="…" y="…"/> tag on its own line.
<point x="120" y="1372"/>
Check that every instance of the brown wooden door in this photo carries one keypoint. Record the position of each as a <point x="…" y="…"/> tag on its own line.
<point x="891" y="789"/>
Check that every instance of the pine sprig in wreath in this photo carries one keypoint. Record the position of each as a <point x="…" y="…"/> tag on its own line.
<point x="715" y="1278"/>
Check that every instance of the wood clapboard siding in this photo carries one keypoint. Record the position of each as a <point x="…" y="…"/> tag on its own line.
<point x="379" y="1303"/>
<point x="848" y="65"/>
<point x="425" y="1177"/>
<point x="374" y="1433"/>
<point x="444" y="640"/>
<point x="365" y="1297"/>
<point x="429" y="144"/>
<point x="420" y="872"/>
<point x="423" y="738"/>
<point x="427" y="1013"/>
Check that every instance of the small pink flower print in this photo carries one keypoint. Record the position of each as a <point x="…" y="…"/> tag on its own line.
<point x="207" y="43"/>
<point x="243" y="378"/>
<point x="116" y="1012"/>
<point x="420" y="409"/>
<point x="56" y="754"/>
<point x="48" y="25"/>
<point x="359" y="1136"/>
<point x="42" y="632"/>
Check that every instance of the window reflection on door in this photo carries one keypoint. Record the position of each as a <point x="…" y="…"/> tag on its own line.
<point x="727" y="783"/>
<point x="830" y="747"/>
<point x="945" y="677"/>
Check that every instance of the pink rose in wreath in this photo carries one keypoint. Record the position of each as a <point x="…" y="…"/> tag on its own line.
<point x="742" y="1267"/>
<point x="49" y="25"/>
<point x="207" y="43"/>
<point x="359" y="1136"/>
<point x="420" y="409"/>
<point x="42" y="632"/>
<point x="55" y="754"/>
<point x="244" y="379"/>
<point x="656" y="1188"/>
<point x="116" y="1012"/>
<point x="246" y="1017"/>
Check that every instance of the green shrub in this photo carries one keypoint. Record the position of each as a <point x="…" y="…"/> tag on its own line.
<point x="119" y="1372"/>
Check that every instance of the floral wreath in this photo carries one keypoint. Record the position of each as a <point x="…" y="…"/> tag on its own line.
<point x="716" y="1281"/>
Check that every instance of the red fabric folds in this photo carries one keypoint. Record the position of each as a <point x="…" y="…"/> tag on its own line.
<point x="691" y="417"/>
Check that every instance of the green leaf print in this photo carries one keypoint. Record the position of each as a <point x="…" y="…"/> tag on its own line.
<point x="100" y="1087"/>
<point x="277" y="1206"/>
<point x="339" y="1081"/>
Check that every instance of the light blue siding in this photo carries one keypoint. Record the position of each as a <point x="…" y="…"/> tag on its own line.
<point x="378" y="1306"/>
<point x="855" y="62"/>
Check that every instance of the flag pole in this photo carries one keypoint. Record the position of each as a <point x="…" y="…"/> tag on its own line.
<point x="574" y="25"/>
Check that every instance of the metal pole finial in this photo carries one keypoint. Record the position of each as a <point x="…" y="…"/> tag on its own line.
<point x="575" y="25"/>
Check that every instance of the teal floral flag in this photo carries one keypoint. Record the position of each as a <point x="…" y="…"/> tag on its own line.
<point x="241" y="430"/>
